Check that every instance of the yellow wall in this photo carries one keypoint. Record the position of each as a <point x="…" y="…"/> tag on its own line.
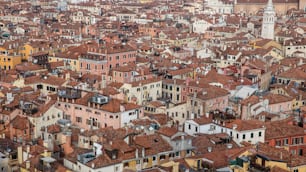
<point x="9" y="61"/>
<point x="26" y="51"/>
<point x="272" y="163"/>
<point x="295" y="103"/>
<point x="301" y="168"/>
<point x="174" y="165"/>
<point x="23" y="170"/>
<point x="193" y="163"/>
<point x="145" y="1"/>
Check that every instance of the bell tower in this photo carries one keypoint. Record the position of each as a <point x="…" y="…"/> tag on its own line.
<point x="268" y="21"/>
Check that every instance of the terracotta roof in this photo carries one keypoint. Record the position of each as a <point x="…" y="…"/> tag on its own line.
<point x="250" y="100"/>
<point x="53" y="129"/>
<point x="202" y="141"/>
<point x="51" y="80"/>
<point x="202" y="120"/>
<point x="156" y="103"/>
<point x="281" y="129"/>
<point x="277" y="98"/>
<point x="211" y="92"/>
<point x="179" y="71"/>
<point x="243" y="125"/>
<point x="20" y="123"/>
<point x="294" y="73"/>
<point x="220" y="158"/>
<point x="167" y="131"/>
<point x="153" y="144"/>
<point x="162" y="119"/>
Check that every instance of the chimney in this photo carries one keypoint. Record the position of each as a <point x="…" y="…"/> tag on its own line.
<point x="28" y="148"/>
<point x="28" y="164"/>
<point x="143" y="153"/>
<point x="20" y="154"/>
<point x="209" y="149"/>
<point x="234" y="126"/>
<point x="136" y="153"/>
<point x="45" y="153"/>
<point x="68" y="139"/>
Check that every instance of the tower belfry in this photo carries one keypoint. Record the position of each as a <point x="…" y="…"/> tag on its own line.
<point x="268" y="21"/>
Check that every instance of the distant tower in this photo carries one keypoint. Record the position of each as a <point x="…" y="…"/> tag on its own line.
<point x="268" y="21"/>
<point x="62" y="5"/>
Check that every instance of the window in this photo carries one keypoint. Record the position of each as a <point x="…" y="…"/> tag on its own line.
<point x="189" y="126"/>
<point x="237" y="136"/>
<point x="286" y="141"/>
<point x="243" y="136"/>
<point x="78" y="119"/>
<point x="154" y="158"/>
<point x="296" y="170"/>
<point x="196" y="129"/>
<point x="259" y="134"/>
<point x="78" y="108"/>
<point x="252" y="135"/>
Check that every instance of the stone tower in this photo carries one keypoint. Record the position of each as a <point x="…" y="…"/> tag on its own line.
<point x="268" y="21"/>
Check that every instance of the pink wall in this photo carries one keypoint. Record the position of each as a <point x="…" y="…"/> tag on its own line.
<point x="284" y="107"/>
<point x="95" y="68"/>
<point x="105" y="118"/>
<point x="218" y="103"/>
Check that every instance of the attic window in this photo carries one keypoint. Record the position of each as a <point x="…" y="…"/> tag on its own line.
<point x="155" y="140"/>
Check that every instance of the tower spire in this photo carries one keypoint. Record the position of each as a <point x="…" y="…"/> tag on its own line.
<point x="269" y="6"/>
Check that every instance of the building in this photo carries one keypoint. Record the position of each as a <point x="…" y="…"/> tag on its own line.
<point x="285" y="135"/>
<point x="206" y="100"/>
<point x="252" y="131"/>
<point x="142" y="92"/>
<point x="268" y="21"/>
<point x="91" y="111"/>
<point x="221" y="6"/>
<point x="251" y="7"/>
